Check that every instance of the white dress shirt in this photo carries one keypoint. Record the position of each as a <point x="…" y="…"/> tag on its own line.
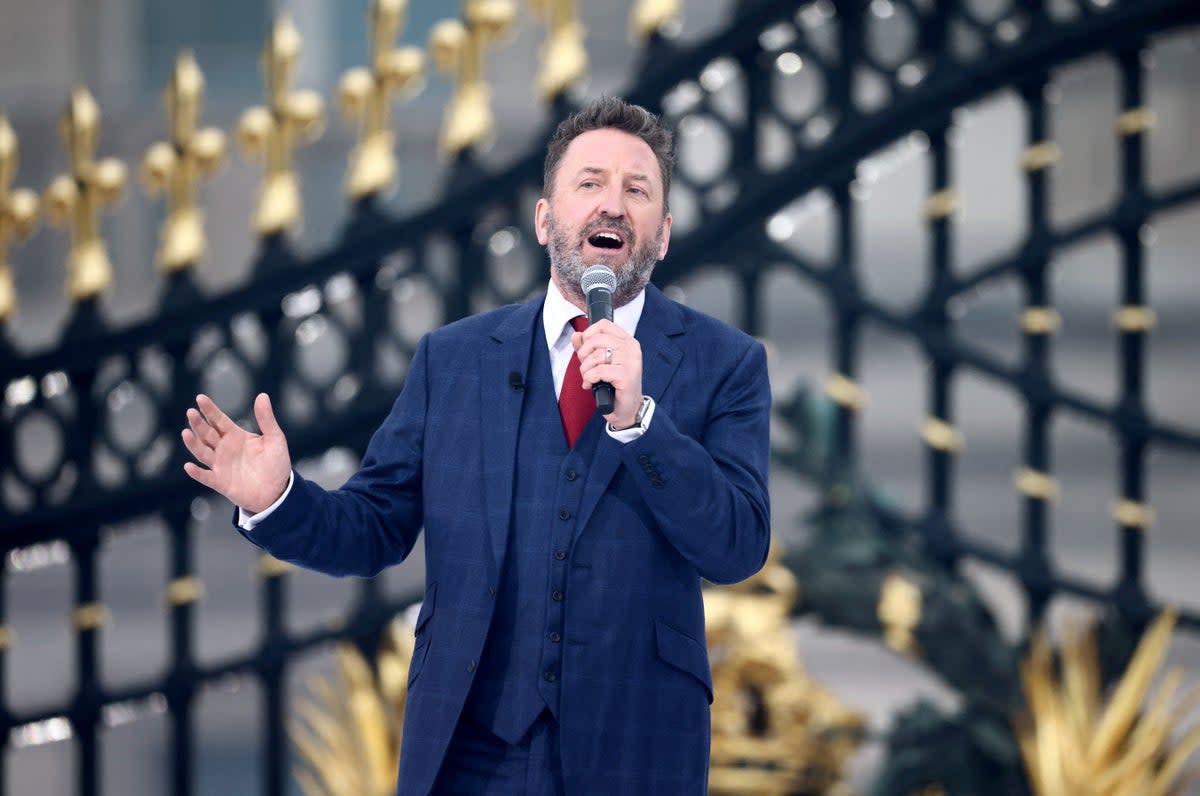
<point x="556" y="321"/>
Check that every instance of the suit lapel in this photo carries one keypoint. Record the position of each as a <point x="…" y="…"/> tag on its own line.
<point x="500" y="409"/>
<point x="661" y="355"/>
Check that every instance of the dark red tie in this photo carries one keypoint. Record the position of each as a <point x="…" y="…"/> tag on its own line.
<point x="575" y="404"/>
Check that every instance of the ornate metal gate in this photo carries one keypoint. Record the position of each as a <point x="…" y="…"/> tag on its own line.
<point x="805" y="102"/>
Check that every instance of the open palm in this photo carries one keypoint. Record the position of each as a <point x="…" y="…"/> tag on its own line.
<point x="251" y="470"/>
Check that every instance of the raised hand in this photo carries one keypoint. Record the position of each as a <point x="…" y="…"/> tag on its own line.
<point x="251" y="470"/>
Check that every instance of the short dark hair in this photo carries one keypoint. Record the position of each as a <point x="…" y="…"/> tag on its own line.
<point x="617" y="114"/>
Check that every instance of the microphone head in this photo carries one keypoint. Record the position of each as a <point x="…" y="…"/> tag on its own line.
<point x="598" y="276"/>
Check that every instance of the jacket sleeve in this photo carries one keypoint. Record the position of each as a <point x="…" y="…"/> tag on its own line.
<point x="709" y="497"/>
<point x="372" y="521"/>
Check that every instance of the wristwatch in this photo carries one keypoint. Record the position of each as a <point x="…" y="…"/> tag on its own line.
<point x="639" y="418"/>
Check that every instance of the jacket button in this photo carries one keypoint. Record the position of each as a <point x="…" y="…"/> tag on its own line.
<point x="572" y="475"/>
<point x="557" y="596"/>
<point x="563" y="514"/>
<point x="471" y="666"/>
<point x="555" y="637"/>
<point x="550" y="677"/>
<point x="560" y="555"/>
<point x="643" y="458"/>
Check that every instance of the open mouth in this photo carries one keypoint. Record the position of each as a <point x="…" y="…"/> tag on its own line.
<point x="606" y="240"/>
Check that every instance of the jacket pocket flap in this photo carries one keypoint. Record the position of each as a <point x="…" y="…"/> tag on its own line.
<point x="684" y="652"/>
<point x="426" y="607"/>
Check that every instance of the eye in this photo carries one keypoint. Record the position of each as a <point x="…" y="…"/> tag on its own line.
<point x="636" y="190"/>
<point x="588" y="184"/>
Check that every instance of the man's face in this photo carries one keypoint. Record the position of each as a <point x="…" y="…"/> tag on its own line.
<point x="605" y="207"/>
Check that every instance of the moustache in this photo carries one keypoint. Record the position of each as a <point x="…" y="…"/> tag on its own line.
<point x="620" y="225"/>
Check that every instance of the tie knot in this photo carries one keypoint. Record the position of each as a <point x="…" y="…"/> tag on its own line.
<point x="579" y="323"/>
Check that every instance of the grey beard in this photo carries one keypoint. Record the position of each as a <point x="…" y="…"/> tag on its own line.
<point x="566" y="261"/>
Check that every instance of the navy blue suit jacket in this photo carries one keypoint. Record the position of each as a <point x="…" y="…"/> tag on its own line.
<point x="687" y="501"/>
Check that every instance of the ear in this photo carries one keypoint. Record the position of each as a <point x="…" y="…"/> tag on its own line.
<point x="666" y="236"/>
<point x="541" y="212"/>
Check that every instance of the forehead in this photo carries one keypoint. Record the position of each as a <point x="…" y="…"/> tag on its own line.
<point x="610" y="150"/>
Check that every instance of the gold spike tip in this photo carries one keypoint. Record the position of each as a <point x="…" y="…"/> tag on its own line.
<point x="447" y="41"/>
<point x="492" y="18"/>
<point x="653" y="16"/>
<point x="188" y="80"/>
<point x="284" y="43"/>
<point x="9" y="154"/>
<point x="82" y="111"/>
<point x="387" y="18"/>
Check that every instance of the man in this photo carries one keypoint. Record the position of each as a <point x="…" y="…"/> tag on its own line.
<point x="560" y="645"/>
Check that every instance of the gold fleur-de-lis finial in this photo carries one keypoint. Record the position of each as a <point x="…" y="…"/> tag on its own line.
<point x="75" y="200"/>
<point x="366" y="95"/>
<point x="18" y="214"/>
<point x="175" y="167"/>
<point x="457" y="50"/>
<point x="651" y="16"/>
<point x="564" y="56"/>
<point x="272" y="132"/>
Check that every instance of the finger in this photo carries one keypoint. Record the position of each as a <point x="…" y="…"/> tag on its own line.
<point x="199" y="474"/>
<point x="266" y="416"/>
<point x="202" y="452"/>
<point x="201" y="428"/>
<point x="213" y="414"/>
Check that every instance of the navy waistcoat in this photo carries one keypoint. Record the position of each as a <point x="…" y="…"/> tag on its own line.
<point x="520" y="666"/>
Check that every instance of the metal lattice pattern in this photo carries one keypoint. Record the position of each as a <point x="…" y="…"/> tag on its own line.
<point x="783" y="104"/>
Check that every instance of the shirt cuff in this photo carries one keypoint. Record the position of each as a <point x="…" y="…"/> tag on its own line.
<point x="247" y="521"/>
<point x="626" y="435"/>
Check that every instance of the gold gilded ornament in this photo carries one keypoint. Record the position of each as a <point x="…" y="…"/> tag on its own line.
<point x="366" y="95"/>
<point x="775" y="731"/>
<point x="273" y="131"/>
<point x="175" y="167"/>
<point x="564" y="56"/>
<point x="1073" y="743"/>
<point x="348" y="736"/>
<point x="18" y="214"/>
<point x="652" y="16"/>
<point x="75" y="200"/>
<point x="457" y="50"/>
<point x="899" y="613"/>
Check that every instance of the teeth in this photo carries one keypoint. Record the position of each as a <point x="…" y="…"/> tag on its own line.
<point x="608" y="236"/>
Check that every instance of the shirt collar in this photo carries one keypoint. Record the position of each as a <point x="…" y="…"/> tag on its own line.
<point x="557" y="313"/>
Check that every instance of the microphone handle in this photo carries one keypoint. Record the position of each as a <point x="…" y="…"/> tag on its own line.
<point x="599" y="303"/>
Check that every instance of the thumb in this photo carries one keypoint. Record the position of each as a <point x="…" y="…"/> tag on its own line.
<point x="265" y="417"/>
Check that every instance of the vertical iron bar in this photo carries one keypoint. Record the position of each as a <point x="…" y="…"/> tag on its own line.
<point x="1131" y="216"/>
<point x="1034" y="562"/>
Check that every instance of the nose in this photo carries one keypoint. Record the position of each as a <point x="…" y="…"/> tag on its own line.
<point x="612" y="202"/>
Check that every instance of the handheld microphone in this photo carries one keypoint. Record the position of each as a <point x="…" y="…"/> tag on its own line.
<point x="598" y="283"/>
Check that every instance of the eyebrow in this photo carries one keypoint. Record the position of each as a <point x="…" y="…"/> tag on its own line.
<point x="638" y="177"/>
